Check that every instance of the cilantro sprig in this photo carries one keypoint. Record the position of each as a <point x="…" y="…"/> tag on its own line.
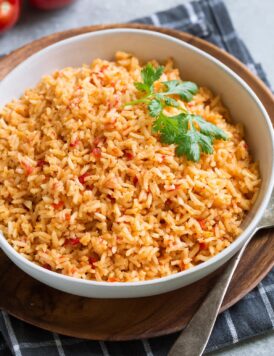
<point x="190" y="133"/>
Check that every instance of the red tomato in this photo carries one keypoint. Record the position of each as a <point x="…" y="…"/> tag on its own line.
<point x="9" y="13"/>
<point x="49" y="4"/>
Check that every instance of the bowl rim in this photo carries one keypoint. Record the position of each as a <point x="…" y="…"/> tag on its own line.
<point x="235" y="245"/>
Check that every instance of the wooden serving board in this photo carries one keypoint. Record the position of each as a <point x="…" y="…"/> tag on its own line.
<point x="124" y="319"/>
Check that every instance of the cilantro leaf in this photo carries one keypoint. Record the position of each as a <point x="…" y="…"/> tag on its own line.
<point x="170" y="102"/>
<point x="141" y="86"/>
<point x="185" y="90"/>
<point x="191" y="134"/>
<point x="205" y="143"/>
<point x="180" y="130"/>
<point x="192" y="143"/>
<point x="169" y="127"/>
<point x="209" y="129"/>
<point x="150" y="75"/>
<point x="155" y="107"/>
<point x="188" y="145"/>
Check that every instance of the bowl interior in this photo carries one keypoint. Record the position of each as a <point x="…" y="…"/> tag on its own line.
<point x="193" y="64"/>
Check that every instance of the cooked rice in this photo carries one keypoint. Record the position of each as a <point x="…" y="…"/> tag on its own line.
<point x="88" y="191"/>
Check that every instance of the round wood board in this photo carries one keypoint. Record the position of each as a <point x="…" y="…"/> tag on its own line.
<point x="125" y="319"/>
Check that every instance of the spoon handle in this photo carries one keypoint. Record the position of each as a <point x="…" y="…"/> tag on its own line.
<point x="193" y="339"/>
<point x="267" y="220"/>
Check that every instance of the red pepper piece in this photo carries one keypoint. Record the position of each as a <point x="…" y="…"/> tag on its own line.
<point x="74" y="143"/>
<point x="75" y="241"/>
<point x="72" y="242"/>
<point x="203" y="246"/>
<point x="47" y="266"/>
<point x="96" y="152"/>
<point x="135" y="181"/>
<point x="40" y="163"/>
<point x="83" y="177"/>
<point x="113" y="200"/>
<point x="92" y="260"/>
<point x="90" y="187"/>
<point x="58" y="205"/>
<point x="112" y="279"/>
<point x="202" y="223"/>
<point x="28" y="169"/>
<point x="129" y="155"/>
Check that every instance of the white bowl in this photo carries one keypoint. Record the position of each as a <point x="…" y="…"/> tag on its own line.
<point x="194" y="65"/>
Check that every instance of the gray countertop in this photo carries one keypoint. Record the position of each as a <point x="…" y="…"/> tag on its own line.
<point x="253" y="19"/>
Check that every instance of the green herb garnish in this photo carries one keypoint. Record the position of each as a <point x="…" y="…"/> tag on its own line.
<point x="191" y="133"/>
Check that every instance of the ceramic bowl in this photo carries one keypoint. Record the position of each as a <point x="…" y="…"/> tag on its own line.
<point x="194" y="65"/>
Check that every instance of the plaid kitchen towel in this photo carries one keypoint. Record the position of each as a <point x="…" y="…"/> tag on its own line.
<point x="253" y="315"/>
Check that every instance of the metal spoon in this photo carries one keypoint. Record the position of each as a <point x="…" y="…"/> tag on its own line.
<point x="194" y="338"/>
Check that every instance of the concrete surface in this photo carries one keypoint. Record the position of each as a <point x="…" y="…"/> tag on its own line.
<point x="253" y="19"/>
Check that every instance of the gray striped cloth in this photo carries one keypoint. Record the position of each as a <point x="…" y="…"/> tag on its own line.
<point x="253" y="315"/>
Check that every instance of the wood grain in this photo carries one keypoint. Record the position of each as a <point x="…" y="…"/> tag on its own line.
<point x="124" y="319"/>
